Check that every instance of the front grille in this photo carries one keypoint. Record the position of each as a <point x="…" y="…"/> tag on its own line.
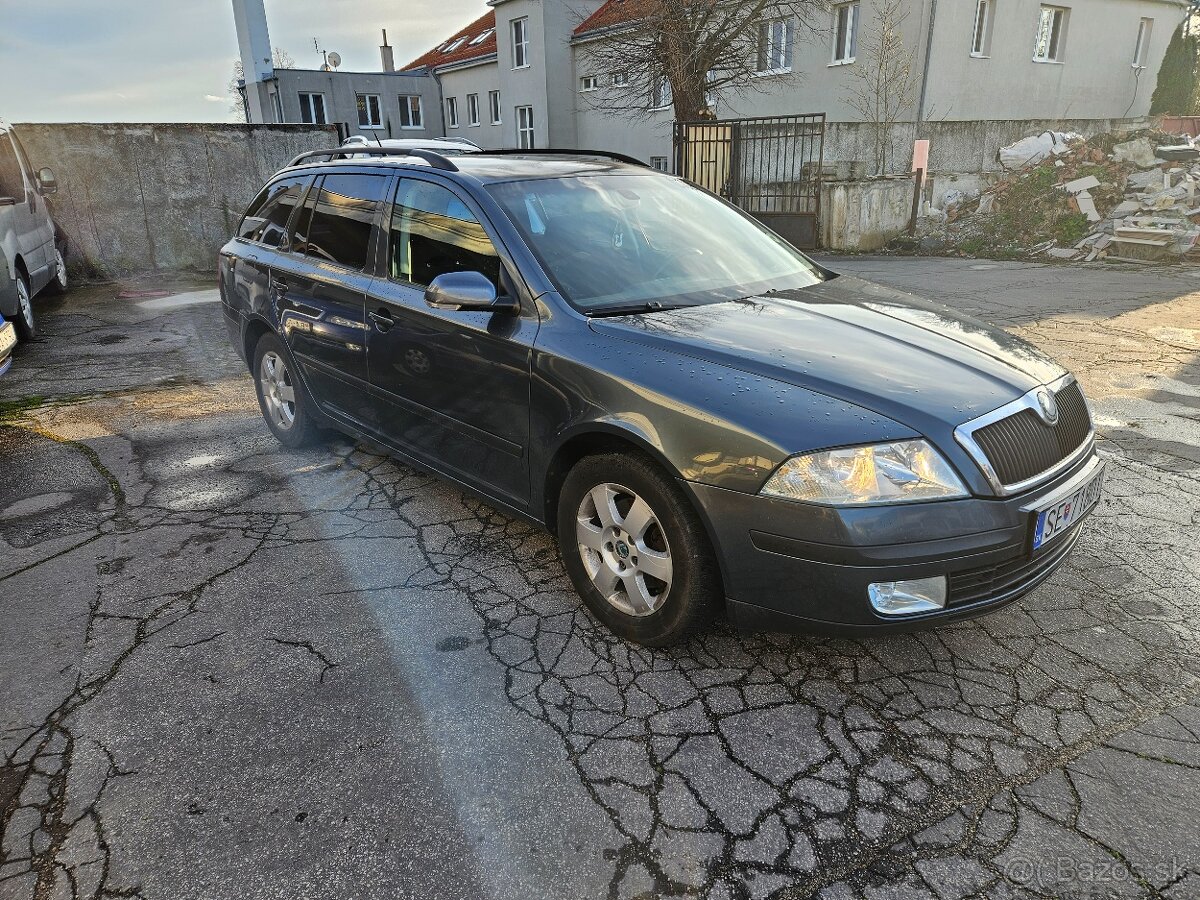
<point x="1022" y="446"/>
<point x="973" y="585"/>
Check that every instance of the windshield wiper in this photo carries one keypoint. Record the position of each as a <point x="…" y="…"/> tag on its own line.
<point x="633" y="308"/>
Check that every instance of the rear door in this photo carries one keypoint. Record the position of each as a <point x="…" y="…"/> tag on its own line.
<point x="454" y="384"/>
<point x="19" y="205"/>
<point x="262" y="233"/>
<point x="319" y="288"/>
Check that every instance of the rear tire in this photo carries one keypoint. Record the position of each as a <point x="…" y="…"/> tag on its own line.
<point x="24" y="321"/>
<point x="285" y="404"/>
<point x="58" y="284"/>
<point x="636" y="551"/>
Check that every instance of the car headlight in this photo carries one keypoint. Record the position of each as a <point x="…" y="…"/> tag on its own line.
<point x="900" y="472"/>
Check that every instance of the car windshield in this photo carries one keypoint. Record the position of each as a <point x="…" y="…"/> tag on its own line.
<point x="620" y="240"/>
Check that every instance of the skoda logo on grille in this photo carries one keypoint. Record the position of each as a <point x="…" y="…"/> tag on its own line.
<point x="1047" y="407"/>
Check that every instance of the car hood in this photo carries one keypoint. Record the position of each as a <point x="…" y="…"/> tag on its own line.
<point x="918" y="363"/>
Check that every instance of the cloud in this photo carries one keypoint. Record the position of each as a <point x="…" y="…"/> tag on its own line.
<point x="213" y="98"/>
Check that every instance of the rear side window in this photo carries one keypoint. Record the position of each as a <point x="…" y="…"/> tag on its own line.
<point x="433" y="232"/>
<point x="267" y="218"/>
<point x="11" y="184"/>
<point x="336" y="225"/>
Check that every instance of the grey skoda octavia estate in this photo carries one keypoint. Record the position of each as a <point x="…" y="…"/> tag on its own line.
<point x="702" y="415"/>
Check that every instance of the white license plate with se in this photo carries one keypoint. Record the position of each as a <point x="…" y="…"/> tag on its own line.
<point x="8" y="338"/>
<point x="1057" y="519"/>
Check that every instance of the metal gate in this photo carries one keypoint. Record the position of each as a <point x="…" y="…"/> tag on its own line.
<point x="769" y="166"/>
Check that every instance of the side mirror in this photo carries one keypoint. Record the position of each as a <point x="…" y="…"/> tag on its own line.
<point x="467" y="291"/>
<point x="47" y="183"/>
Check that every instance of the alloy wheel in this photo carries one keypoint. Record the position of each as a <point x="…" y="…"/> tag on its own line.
<point x="279" y="393"/>
<point x="24" y="303"/>
<point x="624" y="549"/>
<point x="60" y="274"/>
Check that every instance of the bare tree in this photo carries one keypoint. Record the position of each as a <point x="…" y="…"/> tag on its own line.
<point x="281" y="59"/>
<point x="694" y="47"/>
<point x="883" y="79"/>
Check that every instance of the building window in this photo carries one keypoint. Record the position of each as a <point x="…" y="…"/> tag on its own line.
<point x="410" y="112"/>
<point x="525" y="127"/>
<point x="451" y="112"/>
<point x="660" y="163"/>
<point x="981" y="37"/>
<point x="620" y="79"/>
<point x="587" y="83"/>
<point x="473" y="110"/>
<point x="520" y="43"/>
<point x="775" y="41"/>
<point x="494" y="106"/>
<point x="1051" y="35"/>
<point x="453" y="45"/>
<point x="660" y="92"/>
<point x="312" y="109"/>
<point x="480" y="38"/>
<point x="1142" y="48"/>
<point x="370" y="112"/>
<point x="845" y="32"/>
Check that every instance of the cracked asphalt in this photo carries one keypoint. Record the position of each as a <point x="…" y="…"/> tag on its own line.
<point x="231" y="671"/>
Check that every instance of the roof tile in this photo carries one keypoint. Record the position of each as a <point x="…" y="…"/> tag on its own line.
<point x="465" y="49"/>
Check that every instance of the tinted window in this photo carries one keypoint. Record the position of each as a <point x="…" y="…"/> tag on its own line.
<point x="11" y="184"/>
<point x="267" y="218"/>
<point x="433" y="232"/>
<point x="337" y="226"/>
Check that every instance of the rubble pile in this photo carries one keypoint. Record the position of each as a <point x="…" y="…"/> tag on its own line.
<point x="1132" y="197"/>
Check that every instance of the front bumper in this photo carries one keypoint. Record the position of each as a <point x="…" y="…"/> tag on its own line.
<point x="792" y="566"/>
<point x="8" y="342"/>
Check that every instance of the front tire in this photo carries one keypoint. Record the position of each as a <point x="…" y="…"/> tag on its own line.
<point x="24" y="321"/>
<point x="286" y="406"/>
<point x="636" y="551"/>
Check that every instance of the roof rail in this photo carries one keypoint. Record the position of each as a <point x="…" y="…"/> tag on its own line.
<point x="606" y="154"/>
<point x="433" y="158"/>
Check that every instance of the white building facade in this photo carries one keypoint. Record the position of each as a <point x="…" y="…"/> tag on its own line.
<point x="520" y="75"/>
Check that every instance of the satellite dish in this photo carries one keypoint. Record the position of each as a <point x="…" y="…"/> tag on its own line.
<point x="334" y="59"/>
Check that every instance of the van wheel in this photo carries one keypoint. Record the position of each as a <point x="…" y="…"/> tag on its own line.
<point x="285" y="404"/>
<point x="24" y="322"/>
<point x="636" y="550"/>
<point x="58" y="284"/>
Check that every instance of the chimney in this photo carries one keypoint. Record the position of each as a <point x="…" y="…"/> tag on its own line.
<point x="254" y="44"/>
<point x="385" y="54"/>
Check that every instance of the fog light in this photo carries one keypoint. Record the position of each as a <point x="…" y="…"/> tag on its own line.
<point x="903" y="598"/>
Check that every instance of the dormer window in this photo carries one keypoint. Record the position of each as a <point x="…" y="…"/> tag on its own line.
<point x="454" y="45"/>
<point x="479" y="39"/>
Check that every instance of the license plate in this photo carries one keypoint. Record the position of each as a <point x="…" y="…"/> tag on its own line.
<point x="8" y="338"/>
<point x="1058" y="519"/>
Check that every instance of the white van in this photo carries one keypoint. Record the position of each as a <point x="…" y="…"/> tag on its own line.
<point x="31" y="252"/>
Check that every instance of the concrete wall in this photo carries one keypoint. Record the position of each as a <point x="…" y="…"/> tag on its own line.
<point x="140" y="197"/>
<point x="954" y="146"/>
<point x="864" y="215"/>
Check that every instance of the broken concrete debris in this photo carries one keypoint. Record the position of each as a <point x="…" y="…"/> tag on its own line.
<point x="1115" y="196"/>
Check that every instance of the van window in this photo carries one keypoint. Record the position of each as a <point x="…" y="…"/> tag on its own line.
<point x="11" y="184"/>
<point x="266" y="220"/>
<point x="433" y="232"/>
<point x="336" y="226"/>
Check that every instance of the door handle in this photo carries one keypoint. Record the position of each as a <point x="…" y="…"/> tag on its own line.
<point x="382" y="318"/>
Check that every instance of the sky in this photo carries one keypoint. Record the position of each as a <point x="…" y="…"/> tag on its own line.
<point x="171" y="60"/>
